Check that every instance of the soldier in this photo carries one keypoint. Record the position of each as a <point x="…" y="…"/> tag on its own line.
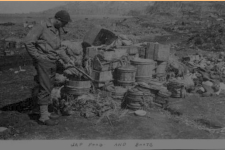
<point x="43" y="43"/>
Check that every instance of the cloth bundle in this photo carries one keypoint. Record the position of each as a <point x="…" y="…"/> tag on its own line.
<point x="73" y="54"/>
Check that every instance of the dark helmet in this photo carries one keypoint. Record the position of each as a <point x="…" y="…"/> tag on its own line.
<point x="63" y="15"/>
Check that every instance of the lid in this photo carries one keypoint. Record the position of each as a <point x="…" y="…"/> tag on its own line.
<point x="143" y="61"/>
<point x="140" y="112"/>
<point x="143" y="84"/>
<point x="130" y="67"/>
<point x="155" y="82"/>
<point x="135" y="90"/>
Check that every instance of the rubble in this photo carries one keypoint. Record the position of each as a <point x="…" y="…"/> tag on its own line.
<point x="88" y="105"/>
<point x="210" y="38"/>
<point x="20" y="70"/>
<point x="103" y="51"/>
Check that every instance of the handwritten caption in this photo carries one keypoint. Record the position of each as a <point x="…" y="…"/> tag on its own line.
<point x="121" y="144"/>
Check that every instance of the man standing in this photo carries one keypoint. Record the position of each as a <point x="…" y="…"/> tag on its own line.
<point x="43" y="43"/>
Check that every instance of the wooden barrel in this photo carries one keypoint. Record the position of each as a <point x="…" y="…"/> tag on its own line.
<point x="77" y="87"/>
<point x="136" y="99"/>
<point x="125" y="76"/>
<point x="145" y="69"/>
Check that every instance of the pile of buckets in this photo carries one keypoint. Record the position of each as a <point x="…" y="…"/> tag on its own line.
<point x="139" y="70"/>
<point x="144" y="70"/>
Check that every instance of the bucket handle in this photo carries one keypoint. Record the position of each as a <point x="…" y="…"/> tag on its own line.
<point x="99" y="61"/>
<point x="124" y="60"/>
<point x="121" y="62"/>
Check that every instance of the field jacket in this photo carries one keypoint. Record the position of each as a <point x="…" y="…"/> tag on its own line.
<point x="43" y="42"/>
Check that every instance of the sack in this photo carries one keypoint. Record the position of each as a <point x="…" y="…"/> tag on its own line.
<point x="73" y="48"/>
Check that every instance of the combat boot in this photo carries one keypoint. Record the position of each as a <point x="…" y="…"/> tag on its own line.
<point x="45" y="116"/>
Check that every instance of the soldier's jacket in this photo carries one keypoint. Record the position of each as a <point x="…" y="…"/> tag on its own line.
<point x="43" y="42"/>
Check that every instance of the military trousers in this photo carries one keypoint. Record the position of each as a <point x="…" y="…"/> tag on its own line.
<point x="46" y="71"/>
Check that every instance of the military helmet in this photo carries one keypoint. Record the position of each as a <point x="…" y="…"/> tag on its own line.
<point x="63" y="15"/>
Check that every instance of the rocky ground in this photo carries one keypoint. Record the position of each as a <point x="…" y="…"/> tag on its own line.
<point x="194" y="117"/>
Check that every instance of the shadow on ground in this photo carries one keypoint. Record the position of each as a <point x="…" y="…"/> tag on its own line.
<point x="23" y="106"/>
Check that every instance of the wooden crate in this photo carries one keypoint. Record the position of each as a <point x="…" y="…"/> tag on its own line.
<point x="131" y="50"/>
<point x="161" y="52"/>
<point x="156" y="51"/>
<point x="107" y="55"/>
<point x="142" y="52"/>
<point x="150" y="49"/>
<point x="98" y="36"/>
<point x="105" y="65"/>
<point x="113" y="54"/>
<point x="101" y="77"/>
<point x="91" y="52"/>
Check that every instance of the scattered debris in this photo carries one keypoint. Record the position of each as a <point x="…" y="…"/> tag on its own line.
<point x="7" y="24"/>
<point x="20" y="70"/>
<point x="2" y="129"/>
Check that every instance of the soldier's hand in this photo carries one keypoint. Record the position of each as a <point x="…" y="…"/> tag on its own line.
<point x="71" y="71"/>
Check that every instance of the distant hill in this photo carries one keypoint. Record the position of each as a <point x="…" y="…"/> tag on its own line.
<point x="188" y="8"/>
<point x="163" y="8"/>
<point x="102" y="7"/>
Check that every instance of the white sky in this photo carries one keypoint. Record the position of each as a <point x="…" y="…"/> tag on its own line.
<point x="27" y="6"/>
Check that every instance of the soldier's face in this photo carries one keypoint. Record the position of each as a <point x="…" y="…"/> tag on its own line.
<point x="60" y="24"/>
<point x="63" y="24"/>
<point x="57" y="24"/>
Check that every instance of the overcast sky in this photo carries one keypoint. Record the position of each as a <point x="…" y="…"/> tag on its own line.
<point x="27" y="6"/>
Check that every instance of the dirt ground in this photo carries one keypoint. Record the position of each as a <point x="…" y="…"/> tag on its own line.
<point x="189" y="118"/>
<point x="158" y="124"/>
